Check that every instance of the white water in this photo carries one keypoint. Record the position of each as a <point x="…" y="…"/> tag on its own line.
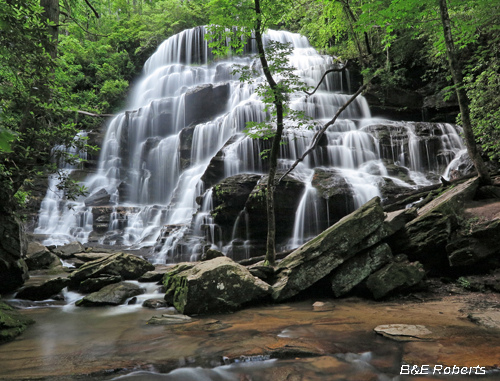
<point x="154" y="188"/>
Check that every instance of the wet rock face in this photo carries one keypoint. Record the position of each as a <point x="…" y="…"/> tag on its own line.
<point x="99" y="198"/>
<point x="337" y="193"/>
<point x="397" y="275"/>
<point x="218" y="285"/>
<point x="287" y="197"/>
<point x="215" y="170"/>
<point x="112" y="295"/>
<point x="205" y="102"/>
<point x="317" y="258"/>
<point x="229" y="197"/>
<point x="12" y="323"/>
<point x="43" y="291"/>
<point x="124" y="265"/>
<point x="13" y="248"/>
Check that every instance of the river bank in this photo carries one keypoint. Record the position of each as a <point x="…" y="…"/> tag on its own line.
<point x="335" y="340"/>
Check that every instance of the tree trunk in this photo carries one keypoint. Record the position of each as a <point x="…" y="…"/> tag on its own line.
<point x="51" y="14"/>
<point x="273" y="157"/>
<point x="463" y="101"/>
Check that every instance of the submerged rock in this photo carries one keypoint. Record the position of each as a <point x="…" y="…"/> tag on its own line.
<point x="170" y="319"/>
<point x="403" y="332"/>
<point x="218" y="285"/>
<point x="124" y="265"/>
<point x="43" y="291"/>
<point x="12" y="323"/>
<point x="154" y="303"/>
<point x="111" y="295"/>
<point x="397" y="275"/>
<point x="317" y="258"/>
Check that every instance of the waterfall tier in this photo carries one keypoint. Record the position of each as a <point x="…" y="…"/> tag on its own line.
<point x="177" y="174"/>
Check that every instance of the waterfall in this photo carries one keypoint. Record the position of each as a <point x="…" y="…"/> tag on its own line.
<point x="183" y="133"/>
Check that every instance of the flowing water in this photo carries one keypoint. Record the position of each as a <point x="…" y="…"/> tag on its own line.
<point x="188" y="108"/>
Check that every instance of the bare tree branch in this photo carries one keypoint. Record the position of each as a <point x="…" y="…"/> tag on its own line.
<point x="93" y="9"/>
<point x="324" y="75"/>
<point x="320" y="133"/>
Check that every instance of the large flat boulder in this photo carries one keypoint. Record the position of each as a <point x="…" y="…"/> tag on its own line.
<point x="95" y="284"/>
<point x="43" y="291"/>
<point x="12" y="323"/>
<point x="39" y="257"/>
<point x="124" y="265"/>
<point x="111" y="295"/>
<point x="317" y="258"/>
<point x="356" y="269"/>
<point x="69" y="250"/>
<point x="215" y="286"/>
<point x="425" y="238"/>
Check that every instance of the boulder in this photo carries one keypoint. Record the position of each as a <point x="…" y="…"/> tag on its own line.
<point x="397" y="220"/>
<point x="124" y="265"/>
<point x="95" y="284"/>
<point x="487" y="192"/>
<point x="425" y="238"/>
<point x="218" y="285"/>
<point x="317" y="258"/>
<point x="397" y="275"/>
<point x="154" y="303"/>
<point x="151" y="276"/>
<point x="111" y="295"/>
<point x="473" y="242"/>
<point x="69" y="250"/>
<point x="39" y="257"/>
<point x="43" y="291"/>
<point x="211" y="254"/>
<point x="12" y="323"/>
<point x="13" y="247"/>
<point x="99" y="198"/>
<point x="356" y="269"/>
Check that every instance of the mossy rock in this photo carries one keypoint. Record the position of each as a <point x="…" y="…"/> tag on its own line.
<point x="12" y="323"/>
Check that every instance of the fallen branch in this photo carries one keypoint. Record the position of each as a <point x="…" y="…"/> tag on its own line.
<point x="320" y="133"/>
<point x="324" y="75"/>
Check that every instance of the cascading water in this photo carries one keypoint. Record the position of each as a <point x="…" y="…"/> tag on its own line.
<point x="155" y="177"/>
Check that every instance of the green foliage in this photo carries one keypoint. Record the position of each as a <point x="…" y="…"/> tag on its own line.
<point x="483" y="89"/>
<point x="464" y="283"/>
